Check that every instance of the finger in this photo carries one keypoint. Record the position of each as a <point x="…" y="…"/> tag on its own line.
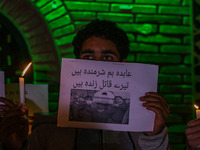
<point x="159" y="112"/>
<point x="25" y="111"/>
<point x="194" y="135"/>
<point x="5" y="108"/>
<point x="14" y="114"/>
<point x="195" y="122"/>
<point x="155" y="100"/>
<point x="17" y="108"/>
<point x="7" y="102"/>
<point x="194" y="142"/>
<point x="162" y="108"/>
<point x="156" y="95"/>
<point x="3" y="113"/>
<point x="194" y="130"/>
<point x="7" y="121"/>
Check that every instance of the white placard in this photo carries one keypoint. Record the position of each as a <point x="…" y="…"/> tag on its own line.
<point x="36" y="96"/>
<point x="89" y="91"/>
<point x="2" y="84"/>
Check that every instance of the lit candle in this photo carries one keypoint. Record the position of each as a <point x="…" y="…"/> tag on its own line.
<point x="21" y="90"/>
<point x="197" y="111"/>
<point x="21" y="85"/>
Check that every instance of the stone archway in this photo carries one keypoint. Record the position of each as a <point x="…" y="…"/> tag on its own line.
<point x="24" y="16"/>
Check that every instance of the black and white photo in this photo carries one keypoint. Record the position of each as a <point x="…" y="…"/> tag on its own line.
<point x="99" y="106"/>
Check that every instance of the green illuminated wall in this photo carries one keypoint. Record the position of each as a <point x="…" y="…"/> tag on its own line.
<point x="159" y="30"/>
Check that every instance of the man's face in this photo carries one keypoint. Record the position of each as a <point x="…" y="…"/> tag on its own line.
<point x="100" y="107"/>
<point x="118" y="100"/>
<point x="97" y="48"/>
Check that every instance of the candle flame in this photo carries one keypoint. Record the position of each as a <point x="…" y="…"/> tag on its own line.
<point x="27" y="67"/>
<point x="197" y="107"/>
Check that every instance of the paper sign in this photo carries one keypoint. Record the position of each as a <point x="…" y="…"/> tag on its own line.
<point x="105" y="95"/>
<point x="36" y="97"/>
<point x="2" y="85"/>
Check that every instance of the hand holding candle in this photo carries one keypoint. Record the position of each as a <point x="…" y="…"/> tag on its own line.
<point x="192" y="132"/>
<point x="21" y="85"/>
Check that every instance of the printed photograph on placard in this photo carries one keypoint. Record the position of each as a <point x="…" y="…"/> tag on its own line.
<point x="99" y="106"/>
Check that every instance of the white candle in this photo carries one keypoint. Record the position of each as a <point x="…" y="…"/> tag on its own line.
<point x="197" y="111"/>
<point x="21" y="90"/>
<point x="21" y="85"/>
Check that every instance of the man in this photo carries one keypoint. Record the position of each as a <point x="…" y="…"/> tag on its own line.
<point x="101" y="41"/>
<point x="120" y="109"/>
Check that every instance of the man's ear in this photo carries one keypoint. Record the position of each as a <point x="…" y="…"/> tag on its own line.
<point x="124" y="60"/>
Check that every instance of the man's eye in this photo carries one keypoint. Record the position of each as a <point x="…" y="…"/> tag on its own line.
<point x="108" y="58"/>
<point x="89" y="57"/>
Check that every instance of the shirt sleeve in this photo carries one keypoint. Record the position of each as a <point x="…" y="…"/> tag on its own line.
<point x="155" y="142"/>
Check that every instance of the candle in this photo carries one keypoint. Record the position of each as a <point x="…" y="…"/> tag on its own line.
<point x="21" y="90"/>
<point x="21" y="85"/>
<point x="197" y="111"/>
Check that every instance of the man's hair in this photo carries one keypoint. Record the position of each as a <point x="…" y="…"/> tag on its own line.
<point x="105" y="29"/>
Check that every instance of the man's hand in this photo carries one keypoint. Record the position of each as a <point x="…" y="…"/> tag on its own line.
<point x="5" y="106"/>
<point x="157" y="104"/>
<point x="193" y="134"/>
<point x="13" y="125"/>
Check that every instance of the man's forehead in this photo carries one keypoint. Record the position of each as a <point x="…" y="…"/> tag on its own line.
<point x="98" y="43"/>
<point x="103" y="51"/>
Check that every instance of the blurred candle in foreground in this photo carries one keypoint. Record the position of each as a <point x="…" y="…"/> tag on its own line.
<point x="21" y="85"/>
<point x="197" y="111"/>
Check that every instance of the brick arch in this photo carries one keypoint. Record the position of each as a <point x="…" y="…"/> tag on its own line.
<point x="59" y="22"/>
<point x="41" y="46"/>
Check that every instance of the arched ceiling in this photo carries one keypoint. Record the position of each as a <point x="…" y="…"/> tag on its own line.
<point x="38" y="38"/>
